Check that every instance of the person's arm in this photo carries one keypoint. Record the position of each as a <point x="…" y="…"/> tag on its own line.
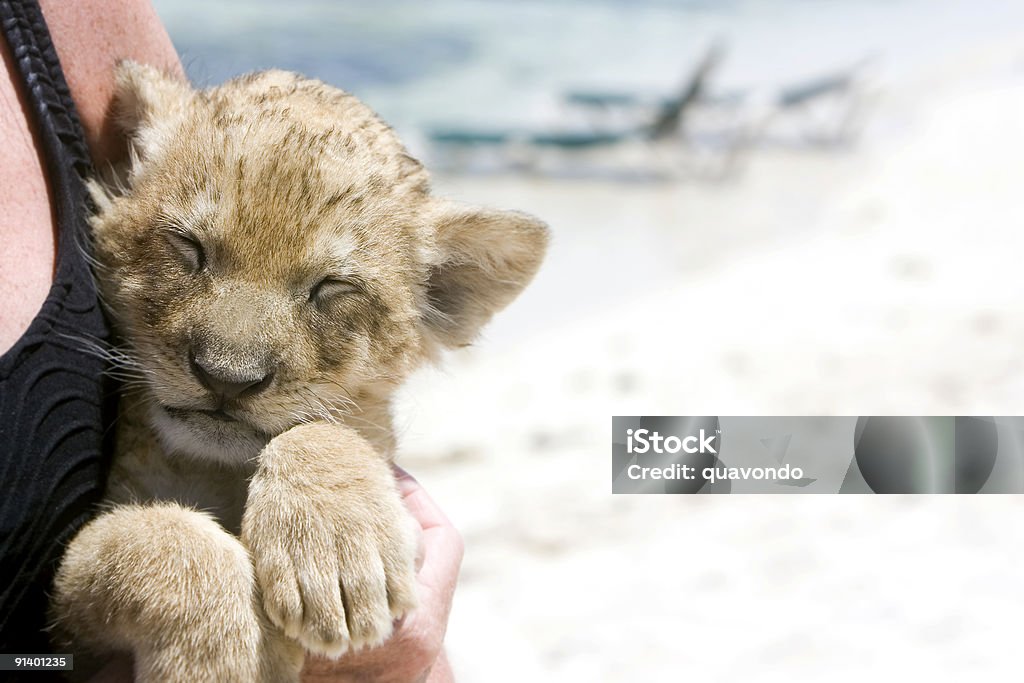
<point x="91" y="36"/>
<point x="415" y="652"/>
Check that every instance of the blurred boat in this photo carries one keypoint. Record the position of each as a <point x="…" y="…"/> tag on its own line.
<point x="825" y="110"/>
<point x="656" y="129"/>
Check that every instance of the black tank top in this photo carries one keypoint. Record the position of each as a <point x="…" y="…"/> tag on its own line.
<point x="55" y="403"/>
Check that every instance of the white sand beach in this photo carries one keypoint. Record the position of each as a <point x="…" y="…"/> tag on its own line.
<point x="883" y="279"/>
<point x="878" y="279"/>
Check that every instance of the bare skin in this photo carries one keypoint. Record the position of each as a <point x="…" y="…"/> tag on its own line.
<point x="89" y="42"/>
<point x="26" y="223"/>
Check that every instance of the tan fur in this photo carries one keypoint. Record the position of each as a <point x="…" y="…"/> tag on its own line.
<point x="271" y="235"/>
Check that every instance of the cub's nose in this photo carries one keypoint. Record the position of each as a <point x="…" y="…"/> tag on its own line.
<point x="230" y="383"/>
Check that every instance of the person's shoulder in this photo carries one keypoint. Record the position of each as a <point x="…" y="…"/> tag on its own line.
<point x="91" y="36"/>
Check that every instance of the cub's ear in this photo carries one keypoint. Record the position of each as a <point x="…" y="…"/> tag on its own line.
<point x="147" y="102"/>
<point x="485" y="258"/>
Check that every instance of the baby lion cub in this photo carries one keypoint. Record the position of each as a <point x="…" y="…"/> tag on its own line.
<point x="275" y="265"/>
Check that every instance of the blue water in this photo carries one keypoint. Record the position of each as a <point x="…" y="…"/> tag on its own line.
<point x="507" y="61"/>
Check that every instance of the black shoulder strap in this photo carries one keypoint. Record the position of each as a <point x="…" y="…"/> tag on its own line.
<point x="28" y="38"/>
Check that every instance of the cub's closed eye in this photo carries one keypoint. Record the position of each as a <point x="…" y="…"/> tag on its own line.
<point x="189" y="248"/>
<point x="331" y="287"/>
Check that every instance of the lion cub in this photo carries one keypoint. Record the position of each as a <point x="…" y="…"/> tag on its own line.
<point x="275" y="265"/>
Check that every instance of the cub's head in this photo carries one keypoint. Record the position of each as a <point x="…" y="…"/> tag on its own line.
<point x="274" y="256"/>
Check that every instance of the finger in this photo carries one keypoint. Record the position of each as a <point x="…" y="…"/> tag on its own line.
<point x="421" y="505"/>
<point x="442" y="544"/>
<point x="406" y="482"/>
<point x="442" y="558"/>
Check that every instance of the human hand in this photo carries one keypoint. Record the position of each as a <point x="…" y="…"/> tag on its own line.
<point x="414" y="652"/>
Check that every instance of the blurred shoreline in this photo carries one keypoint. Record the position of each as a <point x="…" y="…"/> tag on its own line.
<point x="878" y="280"/>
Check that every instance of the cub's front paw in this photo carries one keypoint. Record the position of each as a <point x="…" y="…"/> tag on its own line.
<point x="332" y="544"/>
